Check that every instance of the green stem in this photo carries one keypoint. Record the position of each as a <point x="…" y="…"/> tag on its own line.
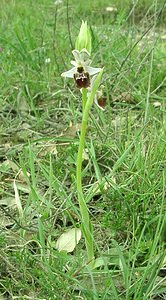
<point x="82" y="204"/>
<point x="86" y="223"/>
<point x="84" y="98"/>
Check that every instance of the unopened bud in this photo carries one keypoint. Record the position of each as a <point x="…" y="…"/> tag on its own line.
<point x="83" y="40"/>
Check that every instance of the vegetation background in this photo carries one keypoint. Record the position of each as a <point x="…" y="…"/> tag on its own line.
<point x="124" y="162"/>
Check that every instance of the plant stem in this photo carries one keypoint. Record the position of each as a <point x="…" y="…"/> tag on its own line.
<point x="84" y="98"/>
<point x="82" y="204"/>
<point x="86" y="223"/>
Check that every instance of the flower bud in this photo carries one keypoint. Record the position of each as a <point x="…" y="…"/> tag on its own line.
<point x="83" y="40"/>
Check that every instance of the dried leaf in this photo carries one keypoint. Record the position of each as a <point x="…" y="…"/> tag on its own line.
<point x="22" y="177"/>
<point x="48" y="148"/>
<point x="5" y="221"/>
<point x="97" y="189"/>
<point x="124" y="97"/>
<point x="8" y="201"/>
<point x="99" y="262"/>
<point x="72" y="130"/>
<point x="157" y="104"/>
<point x="111" y="9"/>
<point x="8" y="164"/>
<point x="22" y="104"/>
<point x="23" y="187"/>
<point x="85" y="155"/>
<point x="68" y="240"/>
<point x="17" y="199"/>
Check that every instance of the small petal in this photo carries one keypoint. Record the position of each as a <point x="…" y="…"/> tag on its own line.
<point x="93" y="81"/>
<point x="85" y="62"/>
<point x="74" y="63"/>
<point x="85" y="57"/>
<point x="82" y="57"/>
<point x="85" y="51"/>
<point x="92" y="71"/>
<point x="76" y="55"/>
<point x="96" y="102"/>
<point x="70" y="73"/>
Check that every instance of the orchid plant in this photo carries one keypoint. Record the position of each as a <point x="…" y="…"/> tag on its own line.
<point x="81" y="73"/>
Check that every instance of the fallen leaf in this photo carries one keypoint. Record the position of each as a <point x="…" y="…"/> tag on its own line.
<point x="99" y="262"/>
<point x="124" y="97"/>
<point x="68" y="240"/>
<point x="85" y="155"/>
<point x="17" y="199"/>
<point x="72" y="130"/>
<point x="5" y="221"/>
<point x="163" y="37"/>
<point x="47" y="149"/>
<point x="23" y="187"/>
<point x="8" y="201"/>
<point x="157" y="104"/>
<point x="111" y="9"/>
<point x="22" y="104"/>
<point x="8" y="164"/>
<point x="98" y="187"/>
<point x="22" y="177"/>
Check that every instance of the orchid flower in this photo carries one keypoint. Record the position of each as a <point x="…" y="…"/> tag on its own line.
<point x="82" y="70"/>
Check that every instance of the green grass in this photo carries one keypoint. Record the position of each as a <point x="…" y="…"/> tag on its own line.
<point x="124" y="172"/>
